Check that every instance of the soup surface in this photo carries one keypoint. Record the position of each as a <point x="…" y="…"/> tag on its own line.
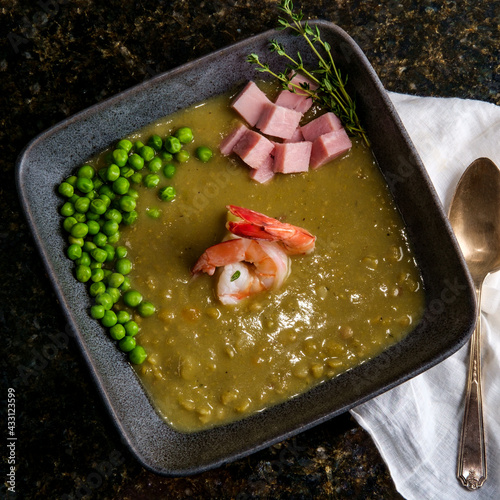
<point x="357" y="293"/>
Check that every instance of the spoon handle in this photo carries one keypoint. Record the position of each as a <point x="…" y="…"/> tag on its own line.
<point x="472" y="457"/>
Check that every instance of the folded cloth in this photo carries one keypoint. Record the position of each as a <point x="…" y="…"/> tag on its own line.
<point x="416" y="426"/>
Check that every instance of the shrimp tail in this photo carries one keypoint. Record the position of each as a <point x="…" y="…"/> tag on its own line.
<point x="258" y="226"/>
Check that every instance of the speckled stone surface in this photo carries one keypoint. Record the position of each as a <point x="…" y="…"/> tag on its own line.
<point x="57" y="58"/>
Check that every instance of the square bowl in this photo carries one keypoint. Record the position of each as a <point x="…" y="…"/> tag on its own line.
<point x="450" y="306"/>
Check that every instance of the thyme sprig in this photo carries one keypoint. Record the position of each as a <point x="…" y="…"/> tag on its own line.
<point x="331" y="92"/>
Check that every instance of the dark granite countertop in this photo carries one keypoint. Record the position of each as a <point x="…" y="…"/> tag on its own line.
<point x="59" y="57"/>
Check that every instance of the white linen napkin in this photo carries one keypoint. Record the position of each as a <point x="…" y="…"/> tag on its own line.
<point x="416" y="426"/>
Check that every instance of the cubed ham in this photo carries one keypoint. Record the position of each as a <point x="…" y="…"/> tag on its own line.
<point x="298" y="100"/>
<point x="278" y="121"/>
<point x="324" y="124"/>
<point x="228" y="143"/>
<point x="292" y="157"/>
<point x="296" y="137"/>
<point x="328" y="146"/>
<point x="250" y="103"/>
<point x="254" y="149"/>
<point x="265" y="172"/>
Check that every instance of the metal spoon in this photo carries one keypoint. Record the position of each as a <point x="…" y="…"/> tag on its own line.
<point x="475" y="218"/>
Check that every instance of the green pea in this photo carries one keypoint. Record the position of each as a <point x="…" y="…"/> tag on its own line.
<point x="112" y="173"/>
<point x="130" y="217"/>
<point x="74" y="252"/>
<point x="184" y="134"/>
<point x="68" y="223"/>
<point x="125" y="144"/>
<point x="121" y="252"/>
<point x="107" y="274"/>
<point x="154" y="213"/>
<point x="84" y="184"/>
<point x="79" y="230"/>
<point x="131" y="328"/>
<point x="97" y="311"/>
<point x="136" y="161"/>
<point x="113" y="214"/>
<point x="127" y="344"/>
<point x="136" y="178"/>
<point x="84" y="260"/>
<point x="155" y="165"/>
<point x="91" y="216"/>
<point x="146" y="309"/>
<point x="126" y="285"/>
<point x="127" y="171"/>
<point x="88" y="246"/>
<point x="76" y="241"/>
<point x="109" y="318"/>
<point x="83" y="273"/>
<point x="127" y="203"/>
<point x="166" y="156"/>
<point x="137" y="355"/>
<point x="155" y="142"/>
<point x="203" y="153"/>
<point x="123" y="266"/>
<point x="105" y="190"/>
<point x="138" y="145"/>
<point x="93" y="194"/>
<point x="182" y="156"/>
<point x="132" y="298"/>
<point x="115" y="280"/>
<point x="117" y="332"/>
<point x="79" y="217"/>
<point x="147" y="153"/>
<point x="172" y="144"/>
<point x="99" y="254"/>
<point x="105" y="300"/>
<point x="97" y="288"/>
<point x="93" y="227"/>
<point x="67" y="209"/>
<point x="133" y="193"/>
<point x="73" y="198"/>
<point x="97" y="183"/>
<point x="66" y="189"/>
<point x="96" y="265"/>
<point x="86" y="171"/>
<point x="71" y="180"/>
<point x="114" y="238"/>
<point x="151" y="180"/>
<point x="167" y="193"/>
<point x="98" y="206"/>
<point x="114" y="293"/>
<point x="82" y="204"/>
<point x="97" y="275"/>
<point x="100" y="239"/>
<point x="120" y="157"/>
<point x="110" y="250"/>
<point x="123" y="317"/>
<point x="121" y="185"/>
<point x="106" y="199"/>
<point x="169" y="170"/>
<point x="110" y="227"/>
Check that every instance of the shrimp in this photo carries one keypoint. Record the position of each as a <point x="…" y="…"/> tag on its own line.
<point x="295" y="240"/>
<point x="249" y="267"/>
<point x="256" y="258"/>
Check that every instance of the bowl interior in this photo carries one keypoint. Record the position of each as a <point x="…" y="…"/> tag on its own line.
<point x="450" y="304"/>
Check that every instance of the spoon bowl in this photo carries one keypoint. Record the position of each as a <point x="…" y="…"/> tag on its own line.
<point x="475" y="217"/>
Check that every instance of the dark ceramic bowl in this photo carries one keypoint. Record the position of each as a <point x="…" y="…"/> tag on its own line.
<point x="450" y="303"/>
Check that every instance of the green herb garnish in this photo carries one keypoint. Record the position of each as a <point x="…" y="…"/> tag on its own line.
<point x="331" y="92"/>
<point x="235" y="276"/>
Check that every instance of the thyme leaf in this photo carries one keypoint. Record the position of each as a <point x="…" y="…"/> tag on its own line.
<point x="235" y="276"/>
<point x="331" y="92"/>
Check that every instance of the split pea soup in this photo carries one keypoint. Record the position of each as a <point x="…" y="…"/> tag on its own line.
<point x="359" y="292"/>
